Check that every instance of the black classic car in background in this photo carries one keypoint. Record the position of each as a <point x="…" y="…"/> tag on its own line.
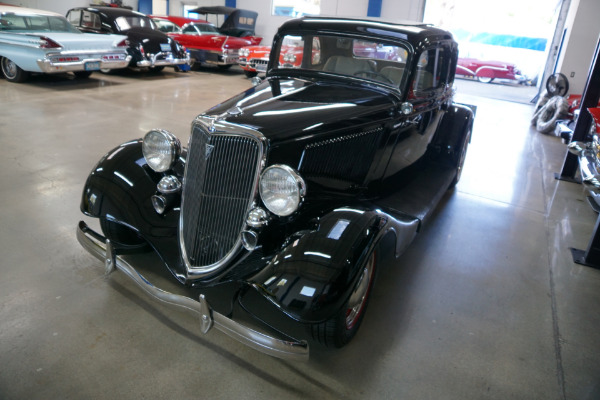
<point x="148" y="47"/>
<point x="275" y="212"/>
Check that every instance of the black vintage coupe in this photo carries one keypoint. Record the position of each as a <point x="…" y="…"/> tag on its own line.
<point x="274" y="213"/>
<point x="148" y="47"/>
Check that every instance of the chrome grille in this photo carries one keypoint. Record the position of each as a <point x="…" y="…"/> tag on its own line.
<point x="220" y="182"/>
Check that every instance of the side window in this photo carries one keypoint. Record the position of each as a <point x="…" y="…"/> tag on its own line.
<point x="90" y="20"/>
<point x="190" y="30"/>
<point x="432" y="69"/>
<point x="74" y="17"/>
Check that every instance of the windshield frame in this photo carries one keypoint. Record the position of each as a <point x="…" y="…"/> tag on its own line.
<point x="276" y="69"/>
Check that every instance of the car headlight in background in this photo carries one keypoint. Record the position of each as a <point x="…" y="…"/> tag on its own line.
<point x="160" y="149"/>
<point x="289" y="57"/>
<point x="281" y="189"/>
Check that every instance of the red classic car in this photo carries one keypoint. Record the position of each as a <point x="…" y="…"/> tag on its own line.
<point x="487" y="71"/>
<point x="202" y="39"/>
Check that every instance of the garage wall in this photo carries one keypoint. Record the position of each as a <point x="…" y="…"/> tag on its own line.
<point x="391" y="10"/>
<point x="61" y="6"/>
<point x="582" y="32"/>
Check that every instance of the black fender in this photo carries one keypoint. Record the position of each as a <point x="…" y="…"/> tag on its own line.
<point x="314" y="274"/>
<point x="120" y="189"/>
<point x="456" y="123"/>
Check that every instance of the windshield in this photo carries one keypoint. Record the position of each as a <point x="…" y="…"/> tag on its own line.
<point x="366" y="59"/>
<point x="35" y="23"/>
<point x="126" y="23"/>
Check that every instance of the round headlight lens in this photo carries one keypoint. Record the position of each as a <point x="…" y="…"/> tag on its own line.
<point x="281" y="189"/>
<point x="160" y="149"/>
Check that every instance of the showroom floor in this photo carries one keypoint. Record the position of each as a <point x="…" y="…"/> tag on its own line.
<point x="486" y="304"/>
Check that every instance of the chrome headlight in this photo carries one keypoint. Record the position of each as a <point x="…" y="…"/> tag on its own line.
<point x="160" y="149"/>
<point x="244" y="52"/>
<point x="289" y="57"/>
<point x="281" y="189"/>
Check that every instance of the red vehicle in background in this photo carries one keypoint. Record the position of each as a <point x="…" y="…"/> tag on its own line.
<point x="204" y="42"/>
<point x="254" y="59"/>
<point x="487" y="71"/>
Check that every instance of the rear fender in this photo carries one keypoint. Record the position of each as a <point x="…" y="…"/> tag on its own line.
<point x="315" y="273"/>
<point x="457" y="122"/>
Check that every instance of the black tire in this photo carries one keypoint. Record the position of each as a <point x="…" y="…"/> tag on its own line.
<point x="342" y="327"/>
<point x="82" y="74"/>
<point x="556" y="108"/>
<point x="250" y="74"/>
<point x="122" y="236"/>
<point x="156" y="69"/>
<point x="224" y="67"/>
<point x="557" y="84"/>
<point x="12" y="72"/>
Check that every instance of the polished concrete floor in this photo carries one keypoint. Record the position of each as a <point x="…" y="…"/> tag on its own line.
<point x="486" y="304"/>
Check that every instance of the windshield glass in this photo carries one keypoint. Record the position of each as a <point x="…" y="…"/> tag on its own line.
<point x="35" y="23"/>
<point x="372" y="60"/>
<point x="126" y="23"/>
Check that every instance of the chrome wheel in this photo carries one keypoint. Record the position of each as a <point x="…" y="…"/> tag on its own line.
<point x="12" y="72"/>
<point x="357" y="301"/>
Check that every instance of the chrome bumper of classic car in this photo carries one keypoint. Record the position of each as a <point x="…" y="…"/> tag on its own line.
<point x="163" y="60"/>
<point x="87" y="62"/>
<point x="588" y="163"/>
<point x="92" y="242"/>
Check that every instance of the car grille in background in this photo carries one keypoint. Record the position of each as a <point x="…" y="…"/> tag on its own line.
<point x="346" y="158"/>
<point x="258" y="64"/>
<point x="219" y="187"/>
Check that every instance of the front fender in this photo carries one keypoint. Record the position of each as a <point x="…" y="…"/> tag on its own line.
<point x="315" y="273"/>
<point x="120" y="188"/>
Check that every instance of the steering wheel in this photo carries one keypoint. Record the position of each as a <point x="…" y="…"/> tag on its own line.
<point x="375" y="74"/>
<point x="557" y="84"/>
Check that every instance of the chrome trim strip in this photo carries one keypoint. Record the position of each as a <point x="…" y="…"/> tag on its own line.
<point x="213" y="125"/>
<point x="291" y="350"/>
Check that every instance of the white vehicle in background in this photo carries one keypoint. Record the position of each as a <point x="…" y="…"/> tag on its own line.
<point x="37" y="41"/>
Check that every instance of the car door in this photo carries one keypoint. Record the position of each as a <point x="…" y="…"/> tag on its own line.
<point x="429" y="91"/>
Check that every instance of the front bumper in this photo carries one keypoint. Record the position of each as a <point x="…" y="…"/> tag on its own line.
<point x="254" y="64"/>
<point x="102" y="249"/>
<point x="54" y="63"/>
<point x="163" y="59"/>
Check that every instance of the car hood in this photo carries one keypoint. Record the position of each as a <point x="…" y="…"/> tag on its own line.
<point x="288" y="109"/>
<point x="82" y="41"/>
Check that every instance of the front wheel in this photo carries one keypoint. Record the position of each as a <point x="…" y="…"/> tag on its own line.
<point x="485" y="79"/>
<point x="250" y="74"/>
<point x="341" y="328"/>
<point x="12" y="72"/>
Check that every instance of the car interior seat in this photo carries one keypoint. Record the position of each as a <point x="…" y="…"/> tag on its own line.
<point x="348" y="65"/>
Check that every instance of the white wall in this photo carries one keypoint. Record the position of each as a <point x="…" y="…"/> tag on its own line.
<point x="61" y="6"/>
<point x="391" y="10"/>
<point x="583" y="30"/>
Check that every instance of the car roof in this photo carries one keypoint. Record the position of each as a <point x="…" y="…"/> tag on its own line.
<point x="26" y="11"/>
<point x="414" y="32"/>
<point x="113" y="12"/>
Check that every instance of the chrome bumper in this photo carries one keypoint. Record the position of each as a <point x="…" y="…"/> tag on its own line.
<point x="166" y="60"/>
<point x="91" y="241"/>
<point x="48" y="65"/>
